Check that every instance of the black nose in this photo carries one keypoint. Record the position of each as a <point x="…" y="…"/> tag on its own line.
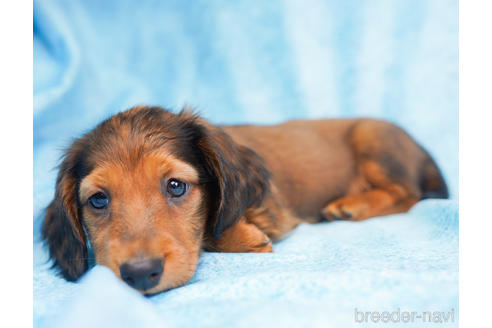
<point x="142" y="275"/>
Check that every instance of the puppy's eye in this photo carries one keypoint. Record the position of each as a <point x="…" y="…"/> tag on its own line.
<point x="176" y="188"/>
<point x="99" y="200"/>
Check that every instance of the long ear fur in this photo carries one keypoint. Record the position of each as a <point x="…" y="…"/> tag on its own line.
<point x="239" y="179"/>
<point x="62" y="229"/>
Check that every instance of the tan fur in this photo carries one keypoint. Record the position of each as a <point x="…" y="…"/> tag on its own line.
<point x="248" y="186"/>
<point x="142" y="224"/>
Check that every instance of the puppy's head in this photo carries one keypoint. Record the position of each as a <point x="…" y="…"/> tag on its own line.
<point x="146" y="188"/>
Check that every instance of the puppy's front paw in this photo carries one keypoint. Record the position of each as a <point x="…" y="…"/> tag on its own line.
<point x="264" y="247"/>
<point x="244" y="237"/>
<point x="344" y="209"/>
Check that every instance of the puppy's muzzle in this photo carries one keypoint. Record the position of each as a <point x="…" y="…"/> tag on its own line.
<point x="142" y="275"/>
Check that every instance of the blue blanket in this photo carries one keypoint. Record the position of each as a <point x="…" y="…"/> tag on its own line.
<point x="260" y="62"/>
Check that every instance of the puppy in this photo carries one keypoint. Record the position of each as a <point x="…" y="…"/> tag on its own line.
<point x="150" y="189"/>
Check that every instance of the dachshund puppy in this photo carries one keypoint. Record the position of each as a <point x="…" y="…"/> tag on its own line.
<point x="150" y="189"/>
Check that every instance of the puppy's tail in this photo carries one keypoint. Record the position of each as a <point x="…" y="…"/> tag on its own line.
<point x="432" y="182"/>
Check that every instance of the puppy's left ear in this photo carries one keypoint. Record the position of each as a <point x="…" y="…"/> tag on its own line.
<point x="238" y="177"/>
<point x="62" y="229"/>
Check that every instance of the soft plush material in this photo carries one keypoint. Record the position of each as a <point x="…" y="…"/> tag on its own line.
<point x="258" y="62"/>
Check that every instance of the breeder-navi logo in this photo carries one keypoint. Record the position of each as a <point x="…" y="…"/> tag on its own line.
<point x="403" y="316"/>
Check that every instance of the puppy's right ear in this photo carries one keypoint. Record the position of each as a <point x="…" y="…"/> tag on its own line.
<point x="62" y="229"/>
<point x="238" y="178"/>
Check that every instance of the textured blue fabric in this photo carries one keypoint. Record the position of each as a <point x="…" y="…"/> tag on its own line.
<point x="258" y="62"/>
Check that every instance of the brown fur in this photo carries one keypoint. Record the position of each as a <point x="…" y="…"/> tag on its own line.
<point x="248" y="186"/>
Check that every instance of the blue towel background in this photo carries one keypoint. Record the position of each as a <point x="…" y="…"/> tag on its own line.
<point x="258" y="62"/>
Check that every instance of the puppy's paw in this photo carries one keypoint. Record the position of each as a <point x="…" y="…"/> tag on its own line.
<point x="244" y="237"/>
<point x="264" y="247"/>
<point x="345" y="208"/>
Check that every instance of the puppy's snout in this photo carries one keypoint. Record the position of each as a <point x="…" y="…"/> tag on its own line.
<point x="142" y="275"/>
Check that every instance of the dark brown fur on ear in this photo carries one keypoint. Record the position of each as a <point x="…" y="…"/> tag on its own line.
<point x="62" y="230"/>
<point x="243" y="180"/>
<point x="237" y="177"/>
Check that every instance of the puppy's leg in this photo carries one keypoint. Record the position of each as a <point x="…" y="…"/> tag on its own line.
<point x="243" y="237"/>
<point x="272" y="218"/>
<point x="384" y="196"/>
<point x="388" y="163"/>
<point x="372" y="203"/>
